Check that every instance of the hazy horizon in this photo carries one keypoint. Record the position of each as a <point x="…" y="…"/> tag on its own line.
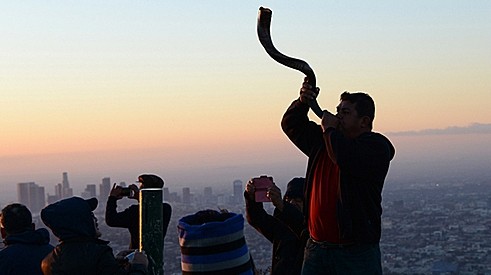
<point x="419" y="159"/>
<point x="184" y="89"/>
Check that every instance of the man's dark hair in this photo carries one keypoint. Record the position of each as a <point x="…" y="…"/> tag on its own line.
<point x="364" y="104"/>
<point x="151" y="181"/>
<point x="16" y="218"/>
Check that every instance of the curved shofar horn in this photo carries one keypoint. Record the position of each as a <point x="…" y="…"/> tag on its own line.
<point x="264" y="35"/>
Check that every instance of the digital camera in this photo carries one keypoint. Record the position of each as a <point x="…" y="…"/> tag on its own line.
<point x="261" y="186"/>
<point x="126" y="192"/>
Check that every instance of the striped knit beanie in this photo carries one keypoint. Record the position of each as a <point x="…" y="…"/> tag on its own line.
<point x="213" y="243"/>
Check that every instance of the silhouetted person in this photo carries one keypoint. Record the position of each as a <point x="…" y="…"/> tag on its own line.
<point x="80" y="251"/>
<point x="212" y="243"/>
<point x="129" y="218"/>
<point x="285" y="228"/>
<point x="346" y="171"/>
<point x="25" y="246"/>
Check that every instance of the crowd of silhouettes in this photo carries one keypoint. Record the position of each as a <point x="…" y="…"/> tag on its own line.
<point x="326" y="223"/>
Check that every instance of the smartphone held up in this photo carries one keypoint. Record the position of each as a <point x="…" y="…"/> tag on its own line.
<point x="261" y="186"/>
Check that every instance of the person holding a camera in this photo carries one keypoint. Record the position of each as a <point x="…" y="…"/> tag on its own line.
<point x="129" y="218"/>
<point x="284" y="229"/>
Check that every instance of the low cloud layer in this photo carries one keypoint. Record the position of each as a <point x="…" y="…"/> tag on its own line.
<point x="475" y="128"/>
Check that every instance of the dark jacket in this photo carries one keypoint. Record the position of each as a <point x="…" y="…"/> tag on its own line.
<point x="363" y="163"/>
<point x="129" y="218"/>
<point x="83" y="256"/>
<point x="285" y="230"/>
<point x="79" y="251"/>
<point x="24" y="252"/>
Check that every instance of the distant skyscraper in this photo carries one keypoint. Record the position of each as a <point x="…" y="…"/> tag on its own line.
<point x="65" y="181"/>
<point x="66" y="191"/>
<point x="186" y="195"/>
<point x="23" y="192"/>
<point x="166" y="194"/>
<point x="59" y="191"/>
<point x="105" y="189"/>
<point x="208" y="196"/>
<point x="237" y="196"/>
<point x="31" y="195"/>
<point x="90" y="191"/>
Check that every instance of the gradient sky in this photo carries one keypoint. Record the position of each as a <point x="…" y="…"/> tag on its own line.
<point x="115" y="88"/>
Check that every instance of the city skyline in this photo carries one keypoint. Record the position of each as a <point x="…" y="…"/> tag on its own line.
<point x="185" y="90"/>
<point x="35" y="197"/>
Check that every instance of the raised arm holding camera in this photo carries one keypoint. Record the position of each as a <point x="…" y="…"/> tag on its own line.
<point x="284" y="229"/>
<point x="129" y="218"/>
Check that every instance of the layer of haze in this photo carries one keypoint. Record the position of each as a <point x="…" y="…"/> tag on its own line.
<point x="185" y="90"/>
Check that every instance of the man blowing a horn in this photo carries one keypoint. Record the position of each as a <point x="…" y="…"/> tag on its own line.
<point x="347" y="166"/>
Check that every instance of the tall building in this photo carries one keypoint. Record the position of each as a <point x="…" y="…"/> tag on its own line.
<point x="186" y="195"/>
<point x="166" y="194"/>
<point x="208" y="196"/>
<point x="104" y="189"/>
<point x="31" y="195"/>
<point x="64" y="182"/>
<point x="59" y="191"/>
<point x="23" y="192"/>
<point x="66" y="191"/>
<point x="90" y="191"/>
<point x="237" y="195"/>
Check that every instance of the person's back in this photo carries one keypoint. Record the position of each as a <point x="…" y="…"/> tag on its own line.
<point x="25" y="246"/>
<point x="81" y="256"/>
<point x="80" y="250"/>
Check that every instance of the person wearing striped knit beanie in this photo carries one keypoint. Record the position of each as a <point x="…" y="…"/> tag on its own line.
<point x="213" y="242"/>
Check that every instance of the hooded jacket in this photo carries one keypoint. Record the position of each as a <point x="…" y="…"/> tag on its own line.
<point x="79" y="251"/>
<point x="24" y="252"/>
<point x="363" y="164"/>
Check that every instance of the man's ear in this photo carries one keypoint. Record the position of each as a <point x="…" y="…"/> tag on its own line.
<point x="366" y="122"/>
<point x="3" y="232"/>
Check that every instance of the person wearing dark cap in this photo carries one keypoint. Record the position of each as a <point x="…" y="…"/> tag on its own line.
<point x="285" y="228"/>
<point x="129" y="218"/>
<point x="80" y="251"/>
<point x="25" y="246"/>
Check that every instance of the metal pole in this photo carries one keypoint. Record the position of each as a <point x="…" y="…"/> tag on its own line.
<point x="151" y="226"/>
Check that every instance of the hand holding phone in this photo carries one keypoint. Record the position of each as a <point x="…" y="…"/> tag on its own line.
<point x="261" y="186"/>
